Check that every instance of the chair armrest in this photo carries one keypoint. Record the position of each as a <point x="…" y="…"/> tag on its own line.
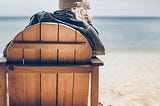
<point x="3" y="60"/>
<point x="96" y="62"/>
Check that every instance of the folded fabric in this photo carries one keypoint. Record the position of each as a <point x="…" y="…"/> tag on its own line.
<point x="68" y="17"/>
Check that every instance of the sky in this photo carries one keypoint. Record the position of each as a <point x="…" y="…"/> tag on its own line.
<point x="98" y="7"/>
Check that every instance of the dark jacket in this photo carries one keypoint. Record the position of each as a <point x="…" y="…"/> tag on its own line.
<point x="68" y="17"/>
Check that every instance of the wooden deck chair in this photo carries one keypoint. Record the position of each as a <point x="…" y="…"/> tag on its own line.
<point x="49" y="64"/>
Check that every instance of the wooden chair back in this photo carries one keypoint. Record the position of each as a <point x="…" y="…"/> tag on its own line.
<point x="53" y="45"/>
<point x="49" y="43"/>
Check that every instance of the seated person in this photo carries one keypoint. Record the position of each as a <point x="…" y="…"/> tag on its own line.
<point x="75" y="17"/>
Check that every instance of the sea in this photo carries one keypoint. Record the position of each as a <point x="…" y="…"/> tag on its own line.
<point x="116" y="33"/>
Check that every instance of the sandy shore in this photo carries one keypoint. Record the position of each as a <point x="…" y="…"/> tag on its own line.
<point x="130" y="79"/>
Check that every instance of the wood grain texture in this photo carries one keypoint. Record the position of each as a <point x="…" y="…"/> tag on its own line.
<point x="48" y="45"/>
<point x="66" y="34"/>
<point x="66" y="54"/>
<point x="32" y="34"/>
<point x="50" y="69"/>
<point x="16" y="89"/>
<point x="49" y="33"/>
<point x="70" y="53"/>
<point x="19" y="36"/>
<point x="81" y="88"/>
<point x="95" y="86"/>
<point x="3" y="99"/>
<point x="65" y="89"/>
<point x="24" y="89"/>
<point x="44" y="84"/>
<point x="32" y="89"/>
<point x="15" y="55"/>
<point x="83" y="53"/>
<point x="48" y="89"/>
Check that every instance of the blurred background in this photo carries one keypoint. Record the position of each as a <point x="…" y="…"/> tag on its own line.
<point x="130" y="32"/>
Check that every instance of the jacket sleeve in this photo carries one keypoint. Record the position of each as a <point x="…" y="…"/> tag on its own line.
<point x="36" y="18"/>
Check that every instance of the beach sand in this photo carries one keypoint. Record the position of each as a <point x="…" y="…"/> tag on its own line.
<point x="130" y="79"/>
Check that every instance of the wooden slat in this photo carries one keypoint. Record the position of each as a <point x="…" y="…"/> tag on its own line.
<point x="48" y="56"/>
<point x="65" y="87"/>
<point x="83" y="53"/>
<point x="32" y="34"/>
<point x="32" y="89"/>
<point x="66" y="54"/>
<point x="47" y="45"/>
<point x="81" y="89"/>
<point x="18" y="37"/>
<point x="15" y="55"/>
<point x="37" y="44"/>
<point x="31" y="56"/>
<point x="24" y="89"/>
<point x="51" y="69"/>
<point x="16" y="89"/>
<point x="32" y="80"/>
<point x="48" y="89"/>
<point x="49" y="32"/>
<point x="95" y="86"/>
<point x="3" y="99"/>
<point x="66" y="34"/>
<point x="16" y="81"/>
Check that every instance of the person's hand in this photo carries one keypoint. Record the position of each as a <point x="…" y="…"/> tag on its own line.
<point x="88" y="17"/>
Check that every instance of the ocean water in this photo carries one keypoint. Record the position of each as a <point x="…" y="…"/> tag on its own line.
<point x="116" y="33"/>
<point x="129" y="33"/>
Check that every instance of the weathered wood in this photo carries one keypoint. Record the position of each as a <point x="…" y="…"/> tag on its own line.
<point x="49" y="69"/>
<point x="48" y="89"/>
<point x="65" y="89"/>
<point x="94" y="86"/>
<point x="3" y="97"/>
<point x="81" y="88"/>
